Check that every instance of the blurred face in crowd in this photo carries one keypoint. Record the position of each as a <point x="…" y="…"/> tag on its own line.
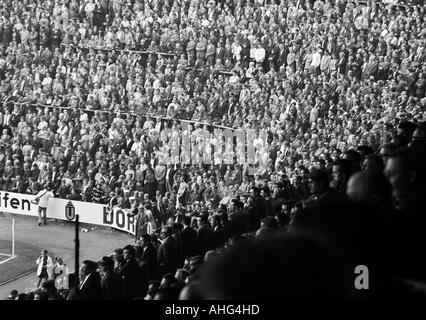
<point x="165" y="233"/>
<point x="385" y="152"/>
<point x="400" y="177"/>
<point x="252" y="193"/>
<point x="315" y="186"/>
<point x="337" y="174"/>
<point x="117" y="256"/>
<point x="286" y="209"/>
<point x="212" y="221"/>
<point x="126" y="254"/>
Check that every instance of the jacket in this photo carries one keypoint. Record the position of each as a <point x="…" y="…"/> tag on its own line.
<point x="110" y="286"/>
<point x="189" y="242"/>
<point x="166" y="256"/>
<point x="90" y="288"/>
<point x="49" y="266"/>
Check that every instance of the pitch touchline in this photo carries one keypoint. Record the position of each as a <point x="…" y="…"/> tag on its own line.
<point x="6" y="260"/>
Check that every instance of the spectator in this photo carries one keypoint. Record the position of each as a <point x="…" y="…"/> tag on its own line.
<point x="189" y="238"/>
<point x="59" y="268"/>
<point x="147" y="261"/>
<point x="167" y="257"/>
<point x="205" y="235"/>
<point x="110" y="282"/>
<point x="90" y="282"/>
<point x="44" y="269"/>
<point x="128" y="274"/>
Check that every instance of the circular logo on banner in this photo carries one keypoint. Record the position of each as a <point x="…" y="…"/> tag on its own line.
<point x="70" y="211"/>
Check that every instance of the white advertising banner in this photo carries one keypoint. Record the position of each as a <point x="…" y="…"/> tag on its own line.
<point x="18" y="203"/>
<point x="62" y="209"/>
<point x="92" y="213"/>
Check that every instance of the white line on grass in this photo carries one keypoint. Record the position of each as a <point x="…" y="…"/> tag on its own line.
<point x="6" y="260"/>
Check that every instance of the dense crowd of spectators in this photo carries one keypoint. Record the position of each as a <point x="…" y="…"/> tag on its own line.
<point x="95" y="95"/>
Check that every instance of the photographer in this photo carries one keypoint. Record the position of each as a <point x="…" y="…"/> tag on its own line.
<point x="44" y="269"/>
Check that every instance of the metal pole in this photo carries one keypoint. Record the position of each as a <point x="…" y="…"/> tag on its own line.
<point x="13" y="238"/>
<point x="77" y="264"/>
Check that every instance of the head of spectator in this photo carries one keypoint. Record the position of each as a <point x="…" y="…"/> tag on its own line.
<point x="318" y="181"/>
<point x="373" y="162"/>
<point x="386" y="150"/>
<point x="400" y="141"/>
<point x="419" y="134"/>
<point x="50" y="289"/>
<point x="22" y="296"/>
<point x="165" y="232"/>
<point x="87" y="267"/>
<point x="129" y="252"/>
<point x="354" y="159"/>
<point x="340" y="174"/>
<point x="181" y="275"/>
<point x="404" y="172"/>
<point x="39" y="294"/>
<point x="202" y="220"/>
<point x="167" y="280"/>
<point x="210" y="256"/>
<point x="145" y="240"/>
<point x="13" y="294"/>
<point x="372" y="187"/>
<point x="269" y="227"/>
<point x="364" y="151"/>
<point x="106" y="264"/>
<point x="406" y="129"/>
<point x="117" y="254"/>
<point x="186" y="221"/>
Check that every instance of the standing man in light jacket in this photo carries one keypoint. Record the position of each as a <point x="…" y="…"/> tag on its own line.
<point x="45" y="267"/>
<point x="42" y="199"/>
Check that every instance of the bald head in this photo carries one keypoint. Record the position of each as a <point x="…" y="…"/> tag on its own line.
<point x="370" y="186"/>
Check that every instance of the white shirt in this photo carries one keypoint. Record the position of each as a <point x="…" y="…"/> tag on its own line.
<point x="44" y="196"/>
<point x="316" y="59"/>
<point x="167" y="173"/>
<point x="259" y="54"/>
<point x="84" y="281"/>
